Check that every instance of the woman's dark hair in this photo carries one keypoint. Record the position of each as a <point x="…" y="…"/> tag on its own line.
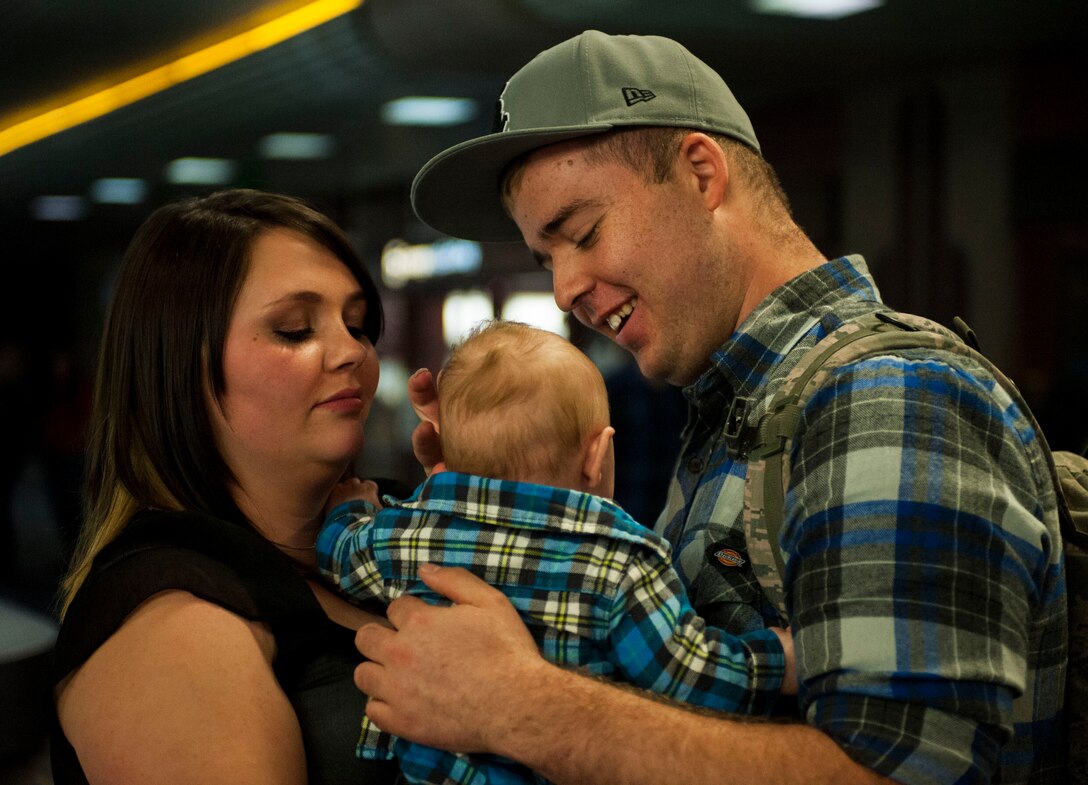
<point x="151" y="443"/>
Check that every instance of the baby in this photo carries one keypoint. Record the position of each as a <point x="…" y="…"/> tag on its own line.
<point x="523" y="503"/>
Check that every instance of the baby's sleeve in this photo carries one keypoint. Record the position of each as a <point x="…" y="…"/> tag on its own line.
<point x="344" y="554"/>
<point x="660" y="643"/>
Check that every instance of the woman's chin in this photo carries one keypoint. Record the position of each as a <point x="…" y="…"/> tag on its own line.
<point x="345" y="453"/>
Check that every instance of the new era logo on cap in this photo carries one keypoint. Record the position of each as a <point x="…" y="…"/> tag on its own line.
<point x="632" y="95"/>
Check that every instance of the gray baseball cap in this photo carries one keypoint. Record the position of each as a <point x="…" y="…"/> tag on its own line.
<point x="586" y="85"/>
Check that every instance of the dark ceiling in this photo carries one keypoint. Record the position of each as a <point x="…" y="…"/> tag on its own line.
<point x="334" y="78"/>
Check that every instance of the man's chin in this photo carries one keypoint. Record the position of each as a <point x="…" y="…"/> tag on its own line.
<point x="667" y="373"/>
<point x="650" y="369"/>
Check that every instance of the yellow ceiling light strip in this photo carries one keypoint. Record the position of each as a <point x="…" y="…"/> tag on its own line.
<point x="16" y="132"/>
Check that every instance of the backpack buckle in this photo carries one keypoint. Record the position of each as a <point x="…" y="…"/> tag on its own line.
<point x="738" y="434"/>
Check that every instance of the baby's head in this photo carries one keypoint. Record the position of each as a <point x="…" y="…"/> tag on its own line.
<point x="520" y="403"/>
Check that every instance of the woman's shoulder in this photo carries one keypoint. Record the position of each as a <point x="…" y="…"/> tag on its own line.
<point x="180" y="673"/>
<point x="216" y="561"/>
<point x="189" y="626"/>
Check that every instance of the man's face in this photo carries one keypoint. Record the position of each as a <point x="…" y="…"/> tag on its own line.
<point x="638" y="262"/>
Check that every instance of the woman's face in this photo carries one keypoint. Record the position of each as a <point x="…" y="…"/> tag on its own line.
<point x="300" y="374"/>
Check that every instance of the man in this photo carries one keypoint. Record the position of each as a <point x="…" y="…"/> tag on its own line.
<point x="923" y="572"/>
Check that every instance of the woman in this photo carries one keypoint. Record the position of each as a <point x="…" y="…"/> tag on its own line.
<point x="236" y="371"/>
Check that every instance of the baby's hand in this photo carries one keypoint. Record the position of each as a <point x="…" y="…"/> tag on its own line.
<point x="426" y="442"/>
<point x="350" y="489"/>
<point x="789" y="678"/>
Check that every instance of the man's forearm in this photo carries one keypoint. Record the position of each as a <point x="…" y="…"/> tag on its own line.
<point x="469" y="678"/>
<point x="578" y="730"/>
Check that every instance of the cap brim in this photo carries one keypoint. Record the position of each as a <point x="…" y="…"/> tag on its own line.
<point x="457" y="191"/>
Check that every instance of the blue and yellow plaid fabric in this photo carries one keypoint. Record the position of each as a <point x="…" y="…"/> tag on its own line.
<point x="595" y="588"/>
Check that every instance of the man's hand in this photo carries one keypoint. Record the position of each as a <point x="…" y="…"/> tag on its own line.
<point x="444" y="676"/>
<point x="469" y="678"/>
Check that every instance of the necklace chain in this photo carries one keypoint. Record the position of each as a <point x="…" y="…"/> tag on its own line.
<point x="295" y="547"/>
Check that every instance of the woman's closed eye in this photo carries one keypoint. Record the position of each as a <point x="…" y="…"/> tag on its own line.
<point x="358" y="332"/>
<point x="295" y="336"/>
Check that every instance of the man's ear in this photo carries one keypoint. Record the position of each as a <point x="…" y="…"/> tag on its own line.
<point x="595" y="452"/>
<point x="703" y="159"/>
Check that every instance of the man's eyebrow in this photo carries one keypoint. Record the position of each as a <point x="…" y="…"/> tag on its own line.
<point x="562" y="215"/>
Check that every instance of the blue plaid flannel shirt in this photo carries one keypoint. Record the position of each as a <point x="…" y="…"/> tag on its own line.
<point x="924" y="575"/>
<point x="595" y="588"/>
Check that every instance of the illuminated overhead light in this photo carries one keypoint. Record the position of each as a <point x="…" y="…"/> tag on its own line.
<point x="119" y="190"/>
<point x="463" y="310"/>
<point x="59" y="208"/>
<point x="297" y="147"/>
<point x="200" y="171"/>
<point x="817" y="9"/>
<point x="402" y="262"/>
<point x="65" y="111"/>
<point x="538" y="309"/>
<point x="420" y="110"/>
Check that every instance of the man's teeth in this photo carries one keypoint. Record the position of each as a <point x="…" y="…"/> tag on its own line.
<point x="615" y="321"/>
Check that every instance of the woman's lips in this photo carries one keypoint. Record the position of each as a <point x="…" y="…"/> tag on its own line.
<point x="348" y="401"/>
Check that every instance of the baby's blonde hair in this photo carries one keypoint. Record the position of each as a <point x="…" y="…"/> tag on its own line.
<point x="518" y="402"/>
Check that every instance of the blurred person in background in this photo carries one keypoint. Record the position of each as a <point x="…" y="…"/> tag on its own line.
<point x="17" y="407"/>
<point x="62" y="443"/>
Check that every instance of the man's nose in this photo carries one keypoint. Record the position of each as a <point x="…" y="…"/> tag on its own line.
<point x="572" y="284"/>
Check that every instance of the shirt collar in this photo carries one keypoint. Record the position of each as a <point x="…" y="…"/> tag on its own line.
<point x="542" y="508"/>
<point x="741" y="366"/>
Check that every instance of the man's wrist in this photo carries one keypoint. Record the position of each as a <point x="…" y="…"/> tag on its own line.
<point x="527" y="709"/>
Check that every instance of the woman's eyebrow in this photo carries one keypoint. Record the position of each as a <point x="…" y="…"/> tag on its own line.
<point x="313" y="298"/>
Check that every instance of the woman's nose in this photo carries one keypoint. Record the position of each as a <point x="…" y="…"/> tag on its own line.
<point x="349" y="349"/>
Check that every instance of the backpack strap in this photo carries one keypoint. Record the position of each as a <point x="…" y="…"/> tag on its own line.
<point x="768" y="467"/>
<point x="768" y="473"/>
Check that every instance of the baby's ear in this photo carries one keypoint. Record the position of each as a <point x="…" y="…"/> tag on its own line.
<point x="596" y="450"/>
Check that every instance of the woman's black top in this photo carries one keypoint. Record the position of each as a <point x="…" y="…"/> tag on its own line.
<point x="231" y="566"/>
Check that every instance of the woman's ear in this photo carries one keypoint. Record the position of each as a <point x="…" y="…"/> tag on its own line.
<point x="596" y="452"/>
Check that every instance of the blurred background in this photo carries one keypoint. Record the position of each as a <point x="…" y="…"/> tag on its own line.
<point x="939" y="138"/>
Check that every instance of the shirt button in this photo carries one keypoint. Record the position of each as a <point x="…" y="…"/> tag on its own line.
<point x="695" y="465"/>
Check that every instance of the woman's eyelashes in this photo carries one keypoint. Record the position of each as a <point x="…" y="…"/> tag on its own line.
<point x="294" y="336"/>
<point x="303" y="334"/>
